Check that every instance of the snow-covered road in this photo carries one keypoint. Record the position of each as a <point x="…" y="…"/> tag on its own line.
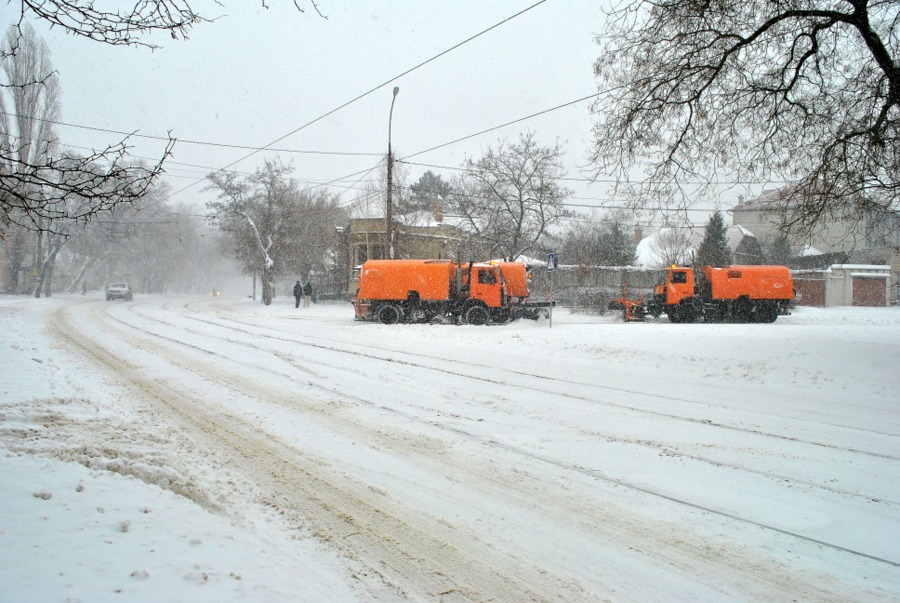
<point x="592" y="461"/>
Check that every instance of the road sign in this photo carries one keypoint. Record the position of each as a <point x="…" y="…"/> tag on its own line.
<point x="551" y="261"/>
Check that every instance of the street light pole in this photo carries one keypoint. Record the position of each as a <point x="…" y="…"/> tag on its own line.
<point x="389" y="215"/>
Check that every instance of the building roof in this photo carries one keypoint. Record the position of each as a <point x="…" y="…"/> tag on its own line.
<point x="692" y="235"/>
<point x="768" y="199"/>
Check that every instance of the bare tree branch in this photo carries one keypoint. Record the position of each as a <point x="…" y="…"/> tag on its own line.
<point x="799" y="91"/>
<point x="34" y="195"/>
<point x="511" y="196"/>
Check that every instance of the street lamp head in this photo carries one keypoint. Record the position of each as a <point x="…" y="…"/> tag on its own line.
<point x="396" y="90"/>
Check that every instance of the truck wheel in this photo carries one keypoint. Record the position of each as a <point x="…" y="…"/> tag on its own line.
<point x="690" y="310"/>
<point x="766" y="312"/>
<point x="742" y="310"/>
<point x="477" y="315"/>
<point x="389" y="314"/>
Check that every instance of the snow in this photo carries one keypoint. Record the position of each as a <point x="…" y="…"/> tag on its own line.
<point x="213" y="449"/>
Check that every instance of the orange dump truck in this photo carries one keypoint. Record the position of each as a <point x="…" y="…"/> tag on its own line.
<point x="717" y="294"/>
<point x="393" y="291"/>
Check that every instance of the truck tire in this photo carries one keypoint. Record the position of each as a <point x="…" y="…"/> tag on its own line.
<point x="688" y="310"/>
<point x="477" y="315"/>
<point x="766" y="312"/>
<point x="389" y="314"/>
<point x="742" y="310"/>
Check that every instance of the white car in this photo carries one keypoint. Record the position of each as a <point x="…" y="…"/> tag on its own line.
<point x="119" y="291"/>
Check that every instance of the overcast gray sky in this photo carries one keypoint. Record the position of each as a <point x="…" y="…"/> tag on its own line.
<point x="256" y="74"/>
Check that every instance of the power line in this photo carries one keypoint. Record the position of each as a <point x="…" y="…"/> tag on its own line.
<point x="587" y="180"/>
<point x="194" y="142"/>
<point x="378" y="87"/>
<point x="209" y="169"/>
<point x="509" y="123"/>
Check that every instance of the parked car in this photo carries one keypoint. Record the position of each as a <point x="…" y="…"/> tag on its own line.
<point x="119" y="291"/>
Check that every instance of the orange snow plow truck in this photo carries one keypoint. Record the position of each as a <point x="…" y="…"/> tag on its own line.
<point x="443" y="291"/>
<point x="716" y="294"/>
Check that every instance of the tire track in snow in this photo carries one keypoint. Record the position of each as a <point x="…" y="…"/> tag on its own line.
<point x="669" y="450"/>
<point x="765" y="579"/>
<point x="501" y="445"/>
<point x="308" y="341"/>
<point x="412" y="550"/>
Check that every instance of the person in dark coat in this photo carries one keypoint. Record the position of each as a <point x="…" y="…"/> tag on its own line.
<point x="307" y="293"/>
<point x="298" y="293"/>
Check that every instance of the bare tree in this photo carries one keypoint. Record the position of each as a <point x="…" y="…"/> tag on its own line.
<point x="272" y="226"/>
<point x="154" y="246"/>
<point x="798" y="91"/>
<point x="30" y="190"/>
<point x="313" y="221"/>
<point x="672" y="245"/>
<point x="115" y="27"/>
<point x="511" y="196"/>
<point x="37" y="180"/>
<point x="124" y="27"/>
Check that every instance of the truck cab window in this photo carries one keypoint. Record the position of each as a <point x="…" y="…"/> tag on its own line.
<point x="679" y="278"/>
<point x="487" y="277"/>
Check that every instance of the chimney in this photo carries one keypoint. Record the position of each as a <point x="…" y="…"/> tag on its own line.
<point x="437" y="211"/>
<point x="638" y="233"/>
<point x="740" y="201"/>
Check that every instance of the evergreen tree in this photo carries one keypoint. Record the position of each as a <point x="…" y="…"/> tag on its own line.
<point x="714" y="251"/>
<point x="779" y="251"/>
<point x="618" y="244"/>
<point x="608" y="242"/>
<point x="430" y="194"/>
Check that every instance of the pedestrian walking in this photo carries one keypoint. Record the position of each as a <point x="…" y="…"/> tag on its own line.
<point x="307" y="293"/>
<point x="298" y="293"/>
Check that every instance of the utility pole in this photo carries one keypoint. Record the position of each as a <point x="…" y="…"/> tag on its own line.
<point x="389" y="214"/>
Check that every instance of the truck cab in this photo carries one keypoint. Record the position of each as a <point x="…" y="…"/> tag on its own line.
<point x="678" y="285"/>
<point x="487" y="285"/>
<point x="676" y="296"/>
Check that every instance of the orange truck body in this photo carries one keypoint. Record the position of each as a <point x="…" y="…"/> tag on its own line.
<point x="755" y="282"/>
<point x="394" y="279"/>
<point x="718" y="294"/>
<point x="392" y="291"/>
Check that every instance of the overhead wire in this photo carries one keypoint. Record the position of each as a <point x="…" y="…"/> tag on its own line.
<point x="193" y="142"/>
<point x="378" y="87"/>
<point x="570" y="179"/>
<point x="515" y="121"/>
